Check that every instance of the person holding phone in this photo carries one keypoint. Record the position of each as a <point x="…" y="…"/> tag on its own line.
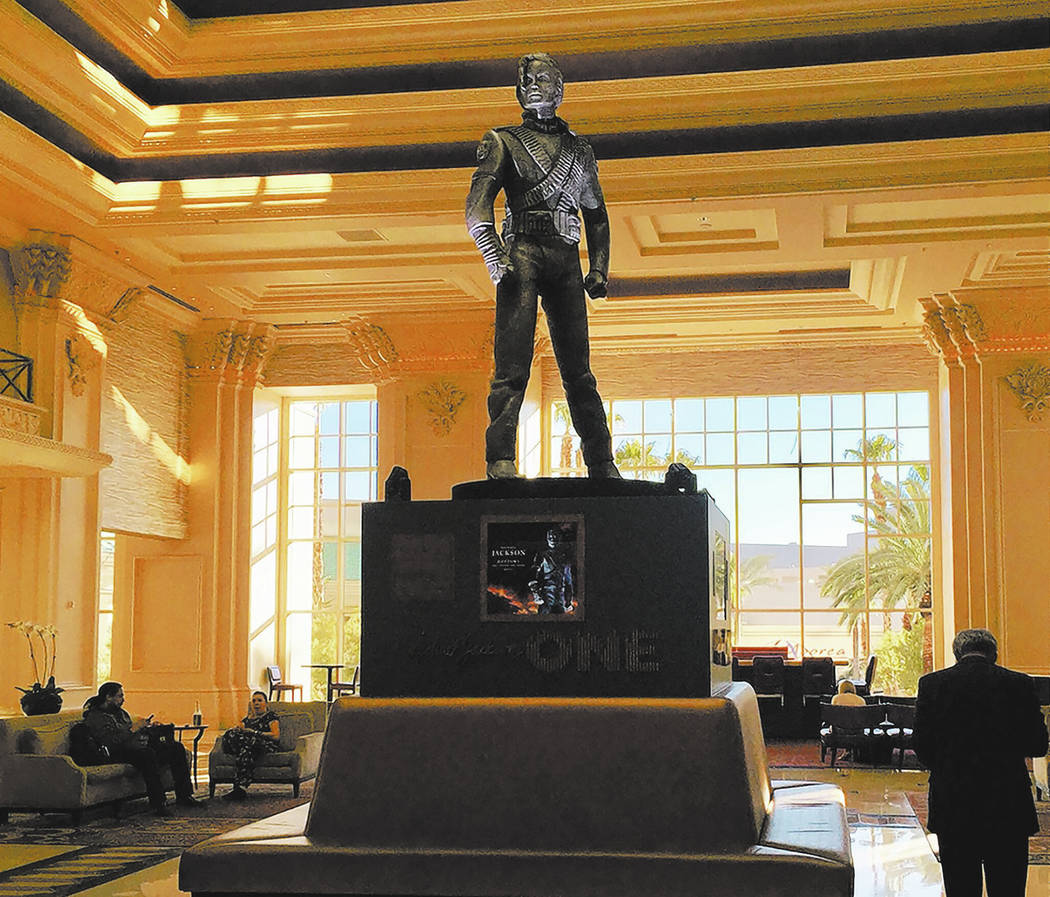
<point x="128" y="742"/>
<point x="255" y="735"/>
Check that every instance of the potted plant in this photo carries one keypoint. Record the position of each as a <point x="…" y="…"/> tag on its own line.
<point x="40" y="698"/>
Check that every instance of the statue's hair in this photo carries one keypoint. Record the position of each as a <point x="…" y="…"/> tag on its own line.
<point x="546" y="58"/>
<point x="975" y="641"/>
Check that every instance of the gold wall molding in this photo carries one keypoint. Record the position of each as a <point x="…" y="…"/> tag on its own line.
<point x="1031" y="384"/>
<point x="441" y="400"/>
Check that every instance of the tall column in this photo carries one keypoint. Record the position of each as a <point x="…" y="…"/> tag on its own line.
<point x="994" y="346"/>
<point x="182" y="633"/>
<point x="50" y="563"/>
<point x="226" y="358"/>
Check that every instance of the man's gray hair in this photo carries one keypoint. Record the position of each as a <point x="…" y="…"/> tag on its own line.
<point x="975" y="641"/>
<point x="523" y="66"/>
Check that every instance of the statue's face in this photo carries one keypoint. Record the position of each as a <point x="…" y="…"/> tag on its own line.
<point x="540" y="89"/>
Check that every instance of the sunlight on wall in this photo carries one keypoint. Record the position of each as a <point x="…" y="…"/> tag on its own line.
<point x="86" y="328"/>
<point x="145" y="434"/>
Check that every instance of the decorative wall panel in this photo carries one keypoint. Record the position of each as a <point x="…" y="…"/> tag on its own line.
<point x="166" y="599"/>
<point x="144" y="428"/>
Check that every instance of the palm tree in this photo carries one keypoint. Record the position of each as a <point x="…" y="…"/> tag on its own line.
<point x="632" y="454"/>
<point x="874" y="451"/>
<point x="898" y="570"/>
<point x="754" y="572"/>
<point x="565" y="453"/>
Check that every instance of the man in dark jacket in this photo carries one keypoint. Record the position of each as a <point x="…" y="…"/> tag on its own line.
<point x="128" y="742"/>
<point x="974" y="725"/>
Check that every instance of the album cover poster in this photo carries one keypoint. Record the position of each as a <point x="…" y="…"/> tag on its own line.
<point x="532" y="568"/>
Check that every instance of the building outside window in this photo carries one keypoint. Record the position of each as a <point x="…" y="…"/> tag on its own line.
<point x="306" y="568"/>
<point x="828" y="498"/>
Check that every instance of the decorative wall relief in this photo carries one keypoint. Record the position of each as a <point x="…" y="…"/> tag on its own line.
<point x="118" y="314"/>
<point x="81" y="359"/>
<point x="441" y="400"/>
<point x="1031" y="384"/>
<point x="20" y="417"/>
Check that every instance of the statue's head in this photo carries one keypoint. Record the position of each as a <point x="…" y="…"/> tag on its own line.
<point x="540" y="84"/>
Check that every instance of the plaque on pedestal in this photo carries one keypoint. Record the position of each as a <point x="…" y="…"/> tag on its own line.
<point x="533" y="595"/>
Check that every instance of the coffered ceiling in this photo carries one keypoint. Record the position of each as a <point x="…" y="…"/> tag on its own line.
<point x="772" y="169"/>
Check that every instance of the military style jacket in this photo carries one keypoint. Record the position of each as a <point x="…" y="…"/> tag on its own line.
<point x="547" y="174"/>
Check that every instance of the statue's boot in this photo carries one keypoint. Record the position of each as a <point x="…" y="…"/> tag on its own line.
<point x="604" y="470"/>
<point x="501" y="470"/>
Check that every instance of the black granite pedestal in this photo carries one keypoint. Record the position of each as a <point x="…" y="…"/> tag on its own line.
<point x="475" y="596"/>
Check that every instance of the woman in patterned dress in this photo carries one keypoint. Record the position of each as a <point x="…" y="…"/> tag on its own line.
<point x="255" y="735"/>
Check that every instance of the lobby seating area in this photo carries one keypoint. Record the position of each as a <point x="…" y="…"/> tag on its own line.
<point x="566" y="796"/>
<point x="298" y="752"/>
<point x="38" y="774"/>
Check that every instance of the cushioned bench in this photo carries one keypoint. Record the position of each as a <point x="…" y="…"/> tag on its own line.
<point x="37" y="773"/>
<point x="596" y="797"/>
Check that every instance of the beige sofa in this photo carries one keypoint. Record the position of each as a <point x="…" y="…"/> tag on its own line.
<point x="37" y="773"/>
<point x="533" y="797"/>
<point x="297" y="755"/>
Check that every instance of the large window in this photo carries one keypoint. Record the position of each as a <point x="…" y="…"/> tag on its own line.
<point x="316" y="462"/>
<point x="829" y="502"/>
<point x="104" y="643"/>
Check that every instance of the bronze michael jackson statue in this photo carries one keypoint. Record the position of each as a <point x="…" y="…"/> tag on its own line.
<point x="548" y="175"/>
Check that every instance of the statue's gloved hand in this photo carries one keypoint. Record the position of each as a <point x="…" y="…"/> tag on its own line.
<point x="492" y="251"/>
<point x="596" y="284"/>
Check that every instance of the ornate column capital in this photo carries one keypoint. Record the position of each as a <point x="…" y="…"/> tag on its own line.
<point x="230" y="351"/>
<point x="41" y="266"/>
<point x="371" y="346"/>
<point x="952" y="329"/>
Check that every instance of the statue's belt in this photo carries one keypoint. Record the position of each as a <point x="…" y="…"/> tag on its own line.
<point x="542" y="222"/>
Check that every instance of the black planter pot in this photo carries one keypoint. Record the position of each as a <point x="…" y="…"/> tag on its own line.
<point x="39" y="701"/>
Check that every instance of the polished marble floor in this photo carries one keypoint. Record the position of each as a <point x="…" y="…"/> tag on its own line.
<point x="890" y="851"/>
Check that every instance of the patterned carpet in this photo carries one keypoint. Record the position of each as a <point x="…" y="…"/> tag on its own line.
<point x="103" y="848"/>
<point x="1038" y="845"/>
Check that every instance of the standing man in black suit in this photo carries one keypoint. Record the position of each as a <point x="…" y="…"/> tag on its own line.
<point x="974" y="725"/>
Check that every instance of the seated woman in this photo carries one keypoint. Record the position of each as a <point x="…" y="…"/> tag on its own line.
<point x="847" y="694"/>
<point x="255" y="735"/>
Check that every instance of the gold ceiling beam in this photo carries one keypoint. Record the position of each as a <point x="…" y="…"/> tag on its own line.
<point x="160" y="40"/>
<point x="436" y="196"/>
<point x="51" y="73"/>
